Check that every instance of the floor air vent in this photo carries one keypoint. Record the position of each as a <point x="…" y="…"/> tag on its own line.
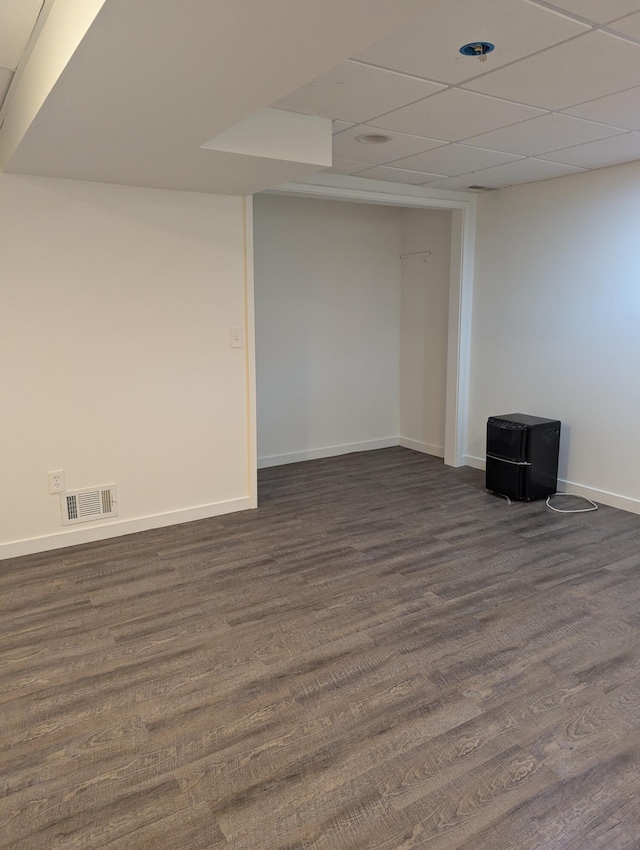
<point x="88" y="505"/>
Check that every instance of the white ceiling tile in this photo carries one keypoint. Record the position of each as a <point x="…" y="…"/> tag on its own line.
<point x="599" y="154"/>
<point x="590" y="66"/>
<point x="339" y="126"/>
<point x="628" y="26"/>
<point x="461" y="183"/>
<point x="429" y="46"/>
<point x="356" y="93"/>
<point x="522" y="171"/>
<point x="346" y="166"/>
<point x="398" y="175"/>
<point x="600" y="11"/>
<point x="543" y="134"/>
<point x="17" y="20"/>
<point x="455" y="114"/>
<point x="5" y="81"/>
<point x="400" y="145"/>
<point x="621" y="109"/>
<point x="453" y="160"/>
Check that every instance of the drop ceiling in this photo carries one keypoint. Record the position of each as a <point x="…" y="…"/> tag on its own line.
<point x="559" y="94"/>
<point x="149" y="85"/>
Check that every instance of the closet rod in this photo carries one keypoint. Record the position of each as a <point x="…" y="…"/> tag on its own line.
<point x="416" y="254"/>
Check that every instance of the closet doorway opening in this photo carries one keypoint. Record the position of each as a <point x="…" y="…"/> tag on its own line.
<point x="362" y="305"/>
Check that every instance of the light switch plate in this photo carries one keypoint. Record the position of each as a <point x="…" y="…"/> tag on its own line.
<point x="237" y="337"/>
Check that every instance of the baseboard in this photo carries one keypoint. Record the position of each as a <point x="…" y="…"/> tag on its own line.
<point x="425" y="448"/>
<point x="118" y="528"/>
<point x="327" y="451"/>
<point x="604" y="497"/>
<point x="475" y="462"/>
<point x="614" y="500"/>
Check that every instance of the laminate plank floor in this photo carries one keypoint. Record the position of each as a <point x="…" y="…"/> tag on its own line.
<point x="383" y="656"/>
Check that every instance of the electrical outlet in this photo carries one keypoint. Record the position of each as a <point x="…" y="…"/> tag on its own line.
<point x="237" y="337"/>
<point x="56" y="481"/>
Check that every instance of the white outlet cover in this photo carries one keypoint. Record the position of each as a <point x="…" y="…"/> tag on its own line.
<point x="56" y="481"/>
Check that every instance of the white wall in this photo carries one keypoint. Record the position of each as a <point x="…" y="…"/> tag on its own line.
<point x="116" y="362"/>
<point x="424" y="322"/>
<point x="556" y="322"/>
<point x="327" y="326"/>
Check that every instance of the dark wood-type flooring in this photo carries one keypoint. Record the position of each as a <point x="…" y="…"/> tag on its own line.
<point x="382" y="657"/>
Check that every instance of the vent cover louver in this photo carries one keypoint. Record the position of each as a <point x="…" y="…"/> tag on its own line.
<point x="88" y="505"/>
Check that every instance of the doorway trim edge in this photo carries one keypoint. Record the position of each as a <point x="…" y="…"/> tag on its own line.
<point x="463" y="205"/>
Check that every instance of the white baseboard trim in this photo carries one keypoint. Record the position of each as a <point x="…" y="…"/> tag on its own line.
<point x="613" y="500"/>
<point x="118" y="528"/>
<point x="475" y="462"/>
<point x="425" y="448"/>
<point x="327" y="451"/>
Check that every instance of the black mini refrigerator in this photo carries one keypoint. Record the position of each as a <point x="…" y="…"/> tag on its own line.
<point x="522" y="456"/>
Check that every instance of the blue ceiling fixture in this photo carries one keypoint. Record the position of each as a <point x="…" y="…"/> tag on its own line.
<point x="477" y="48"/>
